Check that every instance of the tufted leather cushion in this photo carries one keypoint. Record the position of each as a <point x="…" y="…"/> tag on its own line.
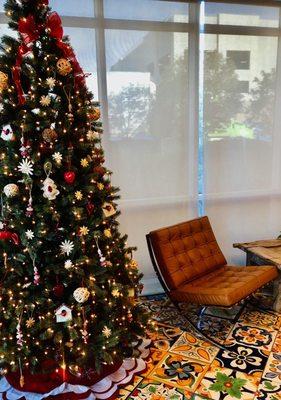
<point x="186" y="251"/>
<point x="225" y="285"/>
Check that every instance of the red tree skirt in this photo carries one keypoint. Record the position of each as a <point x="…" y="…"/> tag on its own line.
<point x="49" y="387"/>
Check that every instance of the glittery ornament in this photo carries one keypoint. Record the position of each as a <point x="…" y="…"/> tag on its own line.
<point x="19" y="335"/>
<point x="3" y="81"/>
<point x="81" y="294"/>
<point x="64" y="66"/>
<point x="36" y="280"/>
<point x="49" y="135"/>
<point x="94" y="114"/>
<point x="11" y="190"/>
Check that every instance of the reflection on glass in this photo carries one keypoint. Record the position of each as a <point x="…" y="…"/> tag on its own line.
<point x="147" y="89"/>
<point x="84" y="8"/>
<point x="239" y="98"/>
<point x="149" y="10"/>
<point x="83" y="42"/>
<point x="238" y="14"/>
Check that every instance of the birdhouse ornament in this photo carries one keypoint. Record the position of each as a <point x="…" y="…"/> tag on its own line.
<point x="63" y="313"/>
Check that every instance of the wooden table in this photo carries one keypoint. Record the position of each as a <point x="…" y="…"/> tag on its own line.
<point x="265" y="252"/>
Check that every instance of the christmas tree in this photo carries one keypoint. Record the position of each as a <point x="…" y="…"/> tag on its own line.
<point x="68" y="280"/>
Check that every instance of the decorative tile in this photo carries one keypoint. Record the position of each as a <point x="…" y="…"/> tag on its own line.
<point x="268" y="390"/>
<point x="191" y="347"/>
<point x="246" y="335"/>
<point x="153" y="390"/>
<point x="273" y="368"/>
<point x="179" y="371"/>
<point x="164" y="336"/>
<point x="245" y="359"/>
<point x="261" y="319"/>
<point x="277" y="344"/>
<point x="154" y="358"/>
<point x="228" y="384"/>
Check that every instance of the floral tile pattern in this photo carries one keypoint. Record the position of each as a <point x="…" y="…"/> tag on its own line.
<point x="273" y="368"/>
<point x="183" y="365"/>
<point x="268" y="390"/>
<point x="247" y="335"/>
<point x="191" y="347"/>
<point x="245" y="359"/>
<point x="179" y="371"/>
<point x="153" y="390"/>
<point x="227" y="384"/>
<point x="261" y="319"/>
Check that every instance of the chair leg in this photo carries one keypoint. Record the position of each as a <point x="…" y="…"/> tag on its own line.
<point x="198" y="329"/>
<point x="201" y="315"/>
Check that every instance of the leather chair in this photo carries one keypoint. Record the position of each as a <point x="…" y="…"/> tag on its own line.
<point x="192" y="268"/>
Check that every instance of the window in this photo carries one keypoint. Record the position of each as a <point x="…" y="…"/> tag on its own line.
<point x="240" y="58"/>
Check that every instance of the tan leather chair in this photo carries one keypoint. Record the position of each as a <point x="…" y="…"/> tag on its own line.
<point x="192" y="268"/>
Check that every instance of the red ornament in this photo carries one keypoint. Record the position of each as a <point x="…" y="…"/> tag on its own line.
<point x="58" y="290"/>
<point x="7" y="235"/>
<point x="90" y="208"/>
<point x="69" y="177"/>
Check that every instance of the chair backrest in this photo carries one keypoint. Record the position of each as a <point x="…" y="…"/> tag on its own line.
<point x="185" y="251"/>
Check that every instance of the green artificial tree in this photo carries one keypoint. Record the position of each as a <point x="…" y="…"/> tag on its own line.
<point x="68" y="280"/>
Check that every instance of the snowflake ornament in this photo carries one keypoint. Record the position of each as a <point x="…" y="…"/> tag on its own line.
<point x="30" y="322"/>
<point x="68" y="264"/>
<point x="51" y="82"/>
<point x="67" y="247"/>
<point x="29" y="234"/>
<point x="92" y="135"/>
<point x="26" y="167"/>
<point x="106" y="332"/>
<point x="45" y="101"/>
<point x="57" y="157"/>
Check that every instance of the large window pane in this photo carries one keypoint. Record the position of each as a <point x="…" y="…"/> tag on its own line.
<point x="147" y="89"/>
<point x="150" y="10"/>
<point x="239" y="101"/>
<point x="238" y="14"/>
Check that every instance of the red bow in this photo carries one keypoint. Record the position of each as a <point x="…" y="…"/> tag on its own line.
<point x="30" y="32"/>
<point x="55" y="26"/>
<point x="28" y="29"/>
<point x="7" y="235"/>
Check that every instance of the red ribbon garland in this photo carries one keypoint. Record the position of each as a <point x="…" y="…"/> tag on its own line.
<point x="30" y="32"/>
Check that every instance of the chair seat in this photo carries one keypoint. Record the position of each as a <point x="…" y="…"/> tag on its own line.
<point x="225" y="286"/>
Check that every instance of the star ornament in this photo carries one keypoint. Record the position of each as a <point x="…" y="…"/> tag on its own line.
<point x="30" y="322"/>
<point x="92" y="135"/>
<point x="83" y="231"/>
<point x="106" y="332"/>
<point x="29" y="234"/>
<point x="84" y="162"/>
<point x="67" y="247"/>
<point x="26" y="167"/>
<point x="78" y="195"/>
<point x="45" y="101"/>
<point x="51" y="82"/>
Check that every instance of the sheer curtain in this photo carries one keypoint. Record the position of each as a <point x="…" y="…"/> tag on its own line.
<point x="242" y="123"/>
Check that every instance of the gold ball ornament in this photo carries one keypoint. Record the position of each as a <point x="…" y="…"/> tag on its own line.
<point x="81" y="294"/>
<point x="64" y="66"/>
<point x="3" y="81"/>
<point x="94" y="114"/>
<point x="49" y="135"/>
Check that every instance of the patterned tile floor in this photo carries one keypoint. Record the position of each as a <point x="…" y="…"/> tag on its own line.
<point x="183" y="366"/>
